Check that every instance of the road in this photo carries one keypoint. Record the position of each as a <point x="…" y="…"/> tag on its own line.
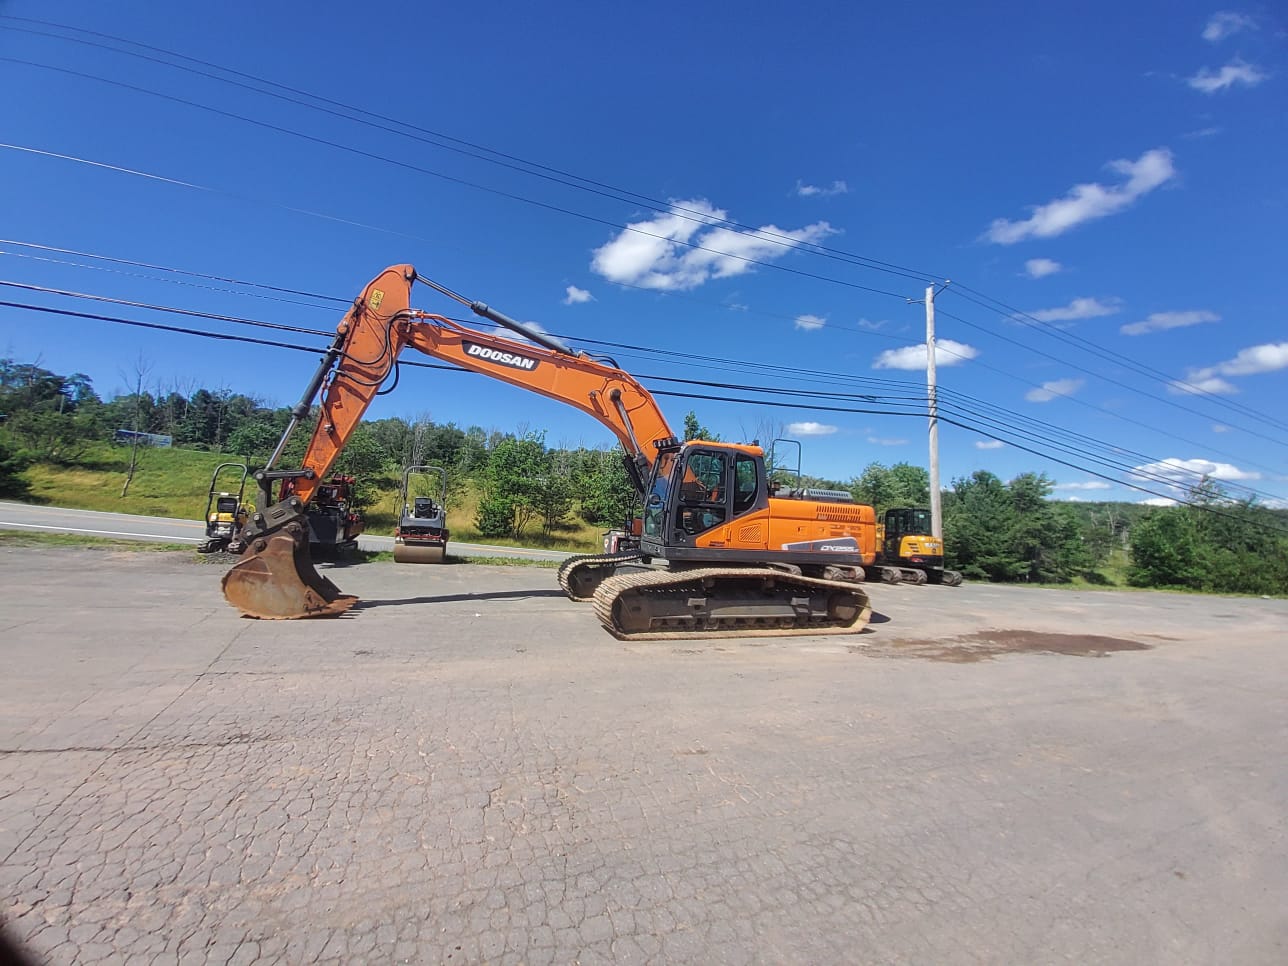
<point x="468" y="769"/>
<point x="26" y="516"/>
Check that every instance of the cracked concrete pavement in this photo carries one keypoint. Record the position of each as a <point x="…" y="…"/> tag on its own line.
<point x="468" y="769"/>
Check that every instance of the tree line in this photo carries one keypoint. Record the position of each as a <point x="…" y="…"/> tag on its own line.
<point x="1003" y="531"/>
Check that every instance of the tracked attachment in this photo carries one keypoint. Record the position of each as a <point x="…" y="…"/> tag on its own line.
<point x="728" y="602"/>
<point x="275" y="578"/>
<point x="580" y="576"/>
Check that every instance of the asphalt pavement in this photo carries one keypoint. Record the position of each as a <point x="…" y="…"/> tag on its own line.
<point x="467" y="768"/>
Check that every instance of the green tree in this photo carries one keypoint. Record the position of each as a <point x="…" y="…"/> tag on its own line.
<point x="513" y="478"/>
<point x="555" y="496"/>
<point x="255" y="438"/>
<point x="979" y="517"/>
<point x="1032" y="541"/>
<point x="695" y="430"/>
<point x="1166" y="550"/>
<point x="11" y="466"/>
<point x="46" y="434"/>
<point x="884" y="488"/>
<point x="602" y="487"/>
<point x="366" y="461"/>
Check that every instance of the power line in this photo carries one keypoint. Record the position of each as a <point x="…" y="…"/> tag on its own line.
<point x="467" y="148"/>
<point x="514" y="162"/>
<point x="1086" y="345"/>
<point x="776" y="403"/>
<point x="1045" y="429"/>
<point x="1104" y="378"/>
<point x="167" y="269"/>
<point x="419" y="169"/>
<point x="161" y="308"/>
<point x="341" y="301"/>
<point x="645" y="352"/>
<point x="812" y="275"/>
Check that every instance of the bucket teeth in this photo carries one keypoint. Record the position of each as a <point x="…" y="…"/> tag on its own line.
<point x="275" y="580"/>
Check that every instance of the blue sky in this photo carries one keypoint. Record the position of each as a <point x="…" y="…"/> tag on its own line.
<point x="1114" y="172"/>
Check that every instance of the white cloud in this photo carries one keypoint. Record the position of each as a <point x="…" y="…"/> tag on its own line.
<point x="1086" y="202"/>
<point x="1161" y="321"/>
<point x="1085" y="485"/>
<point x="1080" y="308"/>
<point x="1203" y="132"/>
<point x="1226" y="23"/>
<point x="810" y="322"/>
<point x="1269" y="357"/>
<point x="660" y="253"/>
<point x="989" y="444"/>
<point x="1236" y="72"/>
<point x="873" y="326"/>
<point x="1185" y="473"/>
<point x="1220" y="428"/>
<point x="814" y="191"/>
<point x="1054" y="389"/>
<point x="1157" y="501"/>
<point x="1041" y="267"/>
<point x="1211" y="386"/>
<point x="878" y="441"/>
<point x="577" y="295"/>
<point x="947" y="353"/>
<point x="810" y="429"/>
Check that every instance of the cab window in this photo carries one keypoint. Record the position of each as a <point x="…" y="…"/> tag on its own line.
<point x="745" y="479"/>
<point x="703" y="491"/>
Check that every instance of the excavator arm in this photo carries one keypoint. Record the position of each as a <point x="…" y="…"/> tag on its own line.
<point x="382" y="323"/>
<point x="275" y="578"/>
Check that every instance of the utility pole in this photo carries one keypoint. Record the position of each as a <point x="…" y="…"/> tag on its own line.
<point x="932" y="406"/>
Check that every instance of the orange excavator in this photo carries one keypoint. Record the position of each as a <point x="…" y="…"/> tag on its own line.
<point x="720" y="552"/>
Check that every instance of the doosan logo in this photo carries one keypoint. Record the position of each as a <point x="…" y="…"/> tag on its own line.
<point x="503" y="358"/>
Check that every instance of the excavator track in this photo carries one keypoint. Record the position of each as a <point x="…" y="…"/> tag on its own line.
<point x="728" y="602"/>
<point x="580" y="576"/>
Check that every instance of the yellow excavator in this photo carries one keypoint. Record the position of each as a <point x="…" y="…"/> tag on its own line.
<point x="908" y="551"/>
<point x="719" y="553"/>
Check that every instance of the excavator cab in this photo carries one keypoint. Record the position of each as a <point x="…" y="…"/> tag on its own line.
<point x="699" y="486"/>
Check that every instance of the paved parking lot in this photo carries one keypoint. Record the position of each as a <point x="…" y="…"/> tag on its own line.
<point x="468" y="769"/>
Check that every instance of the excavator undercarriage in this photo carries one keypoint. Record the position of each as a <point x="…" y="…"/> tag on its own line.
<point x="727" y="602"/>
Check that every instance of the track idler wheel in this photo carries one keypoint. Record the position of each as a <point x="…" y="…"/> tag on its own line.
<point x="275" y="580"/>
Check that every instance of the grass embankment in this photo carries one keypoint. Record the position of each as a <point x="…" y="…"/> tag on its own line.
<point x="36" y="538"/>
<point x="175" y="483"/>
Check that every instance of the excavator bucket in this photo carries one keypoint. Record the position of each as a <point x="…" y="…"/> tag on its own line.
<point x="275" y="580"/>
